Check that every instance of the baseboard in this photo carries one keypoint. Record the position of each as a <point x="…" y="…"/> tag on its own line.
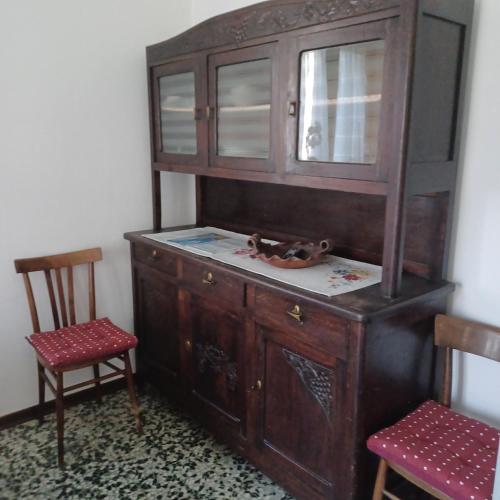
<point x="75" y="398"/>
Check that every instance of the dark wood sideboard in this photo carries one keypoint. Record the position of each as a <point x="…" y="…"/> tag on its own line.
<point x="253" y="103"/>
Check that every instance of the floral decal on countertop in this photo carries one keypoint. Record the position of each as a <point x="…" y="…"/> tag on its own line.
<point x="346" y="276"/>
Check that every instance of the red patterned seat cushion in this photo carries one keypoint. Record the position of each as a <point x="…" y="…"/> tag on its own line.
<point x="82" y="343"/>
<point x="455" y="454"/>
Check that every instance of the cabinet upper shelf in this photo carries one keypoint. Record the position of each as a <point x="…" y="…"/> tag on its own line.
<point x="314" y="93"/>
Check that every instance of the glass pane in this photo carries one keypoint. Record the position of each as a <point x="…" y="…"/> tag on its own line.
<point x="244" y="109"/>
<point x="340" y="103"/>
<point x="178" y="126"/>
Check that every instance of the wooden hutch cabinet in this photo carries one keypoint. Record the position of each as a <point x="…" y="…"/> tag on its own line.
<point x="305" y="119"/>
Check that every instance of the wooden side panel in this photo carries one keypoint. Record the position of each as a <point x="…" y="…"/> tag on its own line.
<point x="436" y="90"/>
<point x="158" y="329"/>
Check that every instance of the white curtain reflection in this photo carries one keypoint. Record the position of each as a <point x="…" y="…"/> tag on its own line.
<point x="349" y="142"/>
<point x="244" y="109"/>
<point x="334" y="101"/>
<point x="314" y="111"/>
<point x="178" y="127"/>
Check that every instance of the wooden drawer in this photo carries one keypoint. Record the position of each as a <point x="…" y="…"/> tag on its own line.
<point x="212" y="282"/>
<point x="305" y="322"/>
<point x="159" y="259"/>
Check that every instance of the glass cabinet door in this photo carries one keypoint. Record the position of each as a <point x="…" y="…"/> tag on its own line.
<point x="339" y="107"/>
<point x="242" y="98"/>
<point x="340" y="103"/>
<point x="178" y="102"/>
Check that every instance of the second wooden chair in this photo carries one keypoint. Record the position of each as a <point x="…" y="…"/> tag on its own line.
<point x="444" y="453"/>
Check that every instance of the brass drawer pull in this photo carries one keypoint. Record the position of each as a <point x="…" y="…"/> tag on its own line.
<point x="188" y="345"/>
<point x="154" y="254"/>
<point x="296" y="314"/>
<point x="257" y="386"/>
<point x="209" y="279"/>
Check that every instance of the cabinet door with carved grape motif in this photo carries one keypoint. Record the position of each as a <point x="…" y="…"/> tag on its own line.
<point x="298" y="407"/>
<point x="216" y="337"/>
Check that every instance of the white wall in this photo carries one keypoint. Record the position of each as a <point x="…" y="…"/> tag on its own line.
<point x="201" y="9"/>
<point x="74" y="152"/>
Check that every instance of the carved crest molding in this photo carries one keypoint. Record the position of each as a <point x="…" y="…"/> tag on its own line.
<point x="266" y="18"/>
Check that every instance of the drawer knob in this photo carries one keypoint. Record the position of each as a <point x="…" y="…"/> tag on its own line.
<point x="295" y="313"/>
<point x="188" y="345"/>
<point x="154" y="254"/>
<point x="257" y="386"/>
<point x="208" y="279"/>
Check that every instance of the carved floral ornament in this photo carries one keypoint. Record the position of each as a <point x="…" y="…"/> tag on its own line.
<point x="263" y="20"/>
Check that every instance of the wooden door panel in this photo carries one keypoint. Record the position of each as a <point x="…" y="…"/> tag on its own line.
<point x="216" y="337"/>
<point x="158" y="325"/>
<point x="190" y="124"/>
<point x="297" y="406"/>
<point x="241" y="137"/>
<point x="373" y="169"/>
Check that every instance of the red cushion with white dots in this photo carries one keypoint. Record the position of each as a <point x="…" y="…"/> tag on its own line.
<point x="82" y="343"/>
<point x="455" y="454"/>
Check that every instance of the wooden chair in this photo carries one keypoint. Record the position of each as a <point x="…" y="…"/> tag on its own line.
<point x="446" y="454"/>
<point x="74" y="345"/>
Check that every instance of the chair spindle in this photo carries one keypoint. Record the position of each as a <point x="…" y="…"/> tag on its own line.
<point x="62" y="299"/>
<point x="92" y="312"/>
<point x="31" y="303"/>
<point x="447" y="377"/>
<point x="53" y="305"/>
<point x="71" y="296"/>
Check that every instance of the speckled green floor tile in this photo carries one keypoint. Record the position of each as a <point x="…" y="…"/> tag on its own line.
<point x="105" y="459"/>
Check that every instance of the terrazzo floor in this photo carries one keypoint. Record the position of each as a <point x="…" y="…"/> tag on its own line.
<point x="105" y="458"/>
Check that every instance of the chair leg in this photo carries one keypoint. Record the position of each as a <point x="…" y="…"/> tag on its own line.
<point x="136" y="410"/>
<point x="98" y="393"/>
<point x="60" y="418"/>
<point x="41" y="392"/>
<point x="378" y="491"/>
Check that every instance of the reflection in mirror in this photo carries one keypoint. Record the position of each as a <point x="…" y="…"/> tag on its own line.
<point x="244" y="109"/>
<point x="340" y="103"/>
<point x="177" y="108"/>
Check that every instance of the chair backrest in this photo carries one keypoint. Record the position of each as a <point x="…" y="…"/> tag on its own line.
<point x="67" y="312"/>
<point x="466" y="336"/>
